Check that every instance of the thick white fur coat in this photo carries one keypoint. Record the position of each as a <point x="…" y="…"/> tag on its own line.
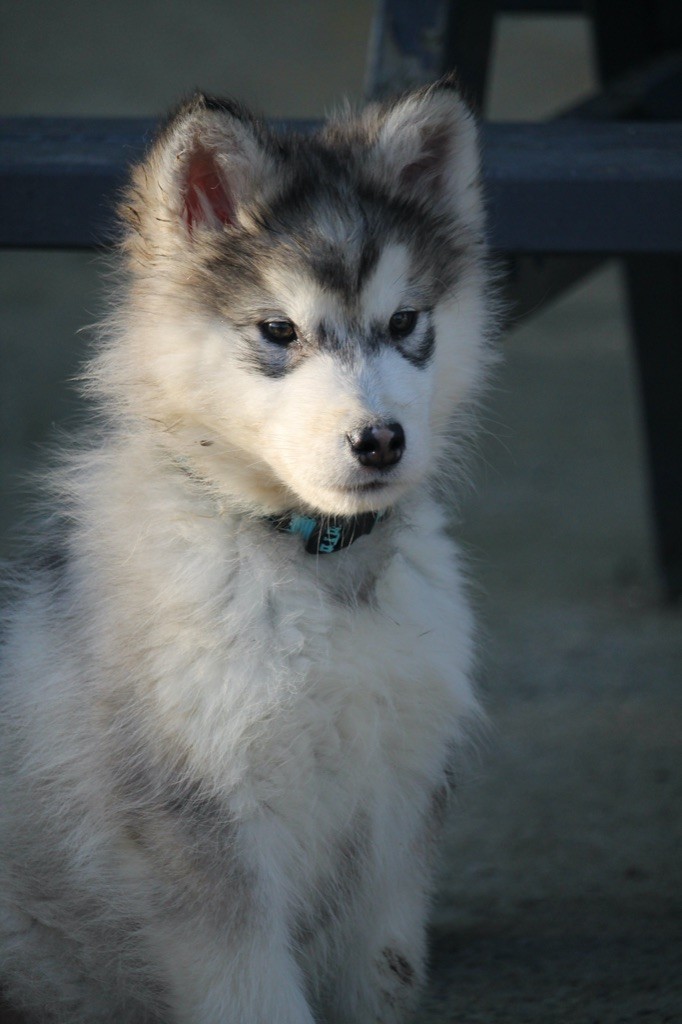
<point x="224" y="759"/>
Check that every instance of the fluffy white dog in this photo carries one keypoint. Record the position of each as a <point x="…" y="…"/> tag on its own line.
<point x="232" y="693"/>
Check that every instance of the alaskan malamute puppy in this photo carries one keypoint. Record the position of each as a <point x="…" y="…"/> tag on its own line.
<point x="232" y="692"/>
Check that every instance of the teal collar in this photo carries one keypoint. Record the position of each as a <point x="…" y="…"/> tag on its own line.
<point x="327" y="534"/>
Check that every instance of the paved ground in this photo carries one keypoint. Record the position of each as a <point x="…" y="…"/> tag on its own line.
<point x="560" y="900"/>
<point x="561" y="892"/>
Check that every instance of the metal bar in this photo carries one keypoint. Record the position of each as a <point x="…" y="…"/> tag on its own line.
<point x="59" y="177"/>
<point x="560" y="187"/>
<point x="585" y="188"/>
<point x="532" y="281"/>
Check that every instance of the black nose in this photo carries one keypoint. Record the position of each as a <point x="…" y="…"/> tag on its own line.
<point x="380" y="445"/>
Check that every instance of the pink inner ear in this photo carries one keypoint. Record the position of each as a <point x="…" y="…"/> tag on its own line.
<point x="207" y="200"/>
<point x="431" y="162"/>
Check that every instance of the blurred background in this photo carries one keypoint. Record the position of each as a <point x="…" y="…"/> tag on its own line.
<point x="560" y="892"/>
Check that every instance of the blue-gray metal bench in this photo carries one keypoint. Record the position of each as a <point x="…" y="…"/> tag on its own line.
<point x="604" y="179"/>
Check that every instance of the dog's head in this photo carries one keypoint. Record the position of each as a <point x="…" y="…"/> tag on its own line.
<point x="307" y="312"/>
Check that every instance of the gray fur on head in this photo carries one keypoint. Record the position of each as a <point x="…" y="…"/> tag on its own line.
<point x="214" y="168"/>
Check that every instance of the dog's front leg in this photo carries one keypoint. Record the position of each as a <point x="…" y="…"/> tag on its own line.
<point x="216" y="912"/>
<point x="383" y="970"/>
<point x="249" y="978"/>
<point x="379" y="981"/>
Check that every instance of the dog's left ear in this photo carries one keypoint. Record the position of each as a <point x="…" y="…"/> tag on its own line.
<point x="426" y="147"/>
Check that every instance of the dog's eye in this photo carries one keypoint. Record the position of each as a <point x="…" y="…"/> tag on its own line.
<point x="402" y="323"/>
<point x="280" y="332"/>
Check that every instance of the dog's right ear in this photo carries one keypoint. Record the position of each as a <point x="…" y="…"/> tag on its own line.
<point x="210" y="161"/>
<point x="424" y="146"/>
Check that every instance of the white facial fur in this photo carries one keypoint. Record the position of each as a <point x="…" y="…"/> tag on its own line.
<point x="294" y="430"/>
<point x="284" y="442"/>
<point x="277" y="441"/>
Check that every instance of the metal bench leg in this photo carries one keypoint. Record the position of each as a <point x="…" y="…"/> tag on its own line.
<point x="414" y="43"/>
<point x="655" y="295"/>
<point x="628" y="32"/>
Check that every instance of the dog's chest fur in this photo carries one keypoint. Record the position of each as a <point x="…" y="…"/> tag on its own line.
<point x="303" y="693"/>
<point x="288" y="678"/>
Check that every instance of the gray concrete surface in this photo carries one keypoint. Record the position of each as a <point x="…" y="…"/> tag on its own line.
<point x="560" y="894"/>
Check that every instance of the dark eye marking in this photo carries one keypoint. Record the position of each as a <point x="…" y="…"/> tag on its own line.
<point x="402" y="323"/>
<point x="279" y="332"/>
